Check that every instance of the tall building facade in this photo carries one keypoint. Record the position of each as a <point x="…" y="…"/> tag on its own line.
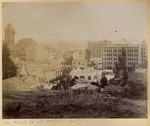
<point x="144" y="52"/>
<point x="10" y="36"/>
<point x="135" y="54"/>
<point x="110" y="55"/>
<point x="95" y="48"/>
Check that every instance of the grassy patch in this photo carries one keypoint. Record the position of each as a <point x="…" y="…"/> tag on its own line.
<point x="48" y="104"/>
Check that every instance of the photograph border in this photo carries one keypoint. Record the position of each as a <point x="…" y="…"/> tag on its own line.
<point x="79" y="122"/>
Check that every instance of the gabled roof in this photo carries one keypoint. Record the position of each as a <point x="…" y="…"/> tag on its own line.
<point x="20" y="67"/>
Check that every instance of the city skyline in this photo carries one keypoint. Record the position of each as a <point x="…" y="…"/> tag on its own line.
<point x="76" y="22"/>
<point x="74" y="61"/>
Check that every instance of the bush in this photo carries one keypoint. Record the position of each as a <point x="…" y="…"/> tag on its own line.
<point x="138" y="91"/>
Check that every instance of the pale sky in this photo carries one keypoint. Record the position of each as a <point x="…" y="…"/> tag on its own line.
<point x="77" y="21"/>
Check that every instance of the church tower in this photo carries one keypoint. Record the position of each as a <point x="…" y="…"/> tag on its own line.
<point x="10" y="36"/>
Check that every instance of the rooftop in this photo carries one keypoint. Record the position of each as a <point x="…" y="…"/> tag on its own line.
<point x="141" y="70"/>
<point x="140" y="75"/>
<point x="121" y="45"/>
<point x="25" y="43"/>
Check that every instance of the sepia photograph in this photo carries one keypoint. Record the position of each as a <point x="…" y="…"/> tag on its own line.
<point x="74" y="60"/>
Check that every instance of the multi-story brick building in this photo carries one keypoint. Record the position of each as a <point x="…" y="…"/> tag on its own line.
<point x="95" y="48"/>
<point x="135" y="54"/>
<point x="111" y="53"/>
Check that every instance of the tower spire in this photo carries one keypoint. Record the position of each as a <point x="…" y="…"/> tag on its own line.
<point x="10" y="36"/>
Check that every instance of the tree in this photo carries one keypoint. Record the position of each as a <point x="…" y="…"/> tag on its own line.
<point x="92" y="64"/>
<point x="123" y="59"/>
<point x="132" y="68"/>
<point x="68" y="57"/>
<point x="9" y="69"/>
<point x="66" y="71"/>
<point x="87" y="55"/>
<point x="120" y="68"/>
<point x="116" y="70"/>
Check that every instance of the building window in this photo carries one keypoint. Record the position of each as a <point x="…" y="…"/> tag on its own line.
<point x="115" y="54"/>
<point x="135" y="50"/>
<point x="89" y="77"/>
<point x="136" y="59"/>
<point x="130" y="50"/>
<point x="130" y="58"/>
<point x="130" y="54"/>
<point x="109" y="67"/>
<point x="81" y="77"/>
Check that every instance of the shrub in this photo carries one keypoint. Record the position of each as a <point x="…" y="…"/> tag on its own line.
<point x="138" y="91"/>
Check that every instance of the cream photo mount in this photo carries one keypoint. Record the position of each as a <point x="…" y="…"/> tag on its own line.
<point x="79" y="121"/>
